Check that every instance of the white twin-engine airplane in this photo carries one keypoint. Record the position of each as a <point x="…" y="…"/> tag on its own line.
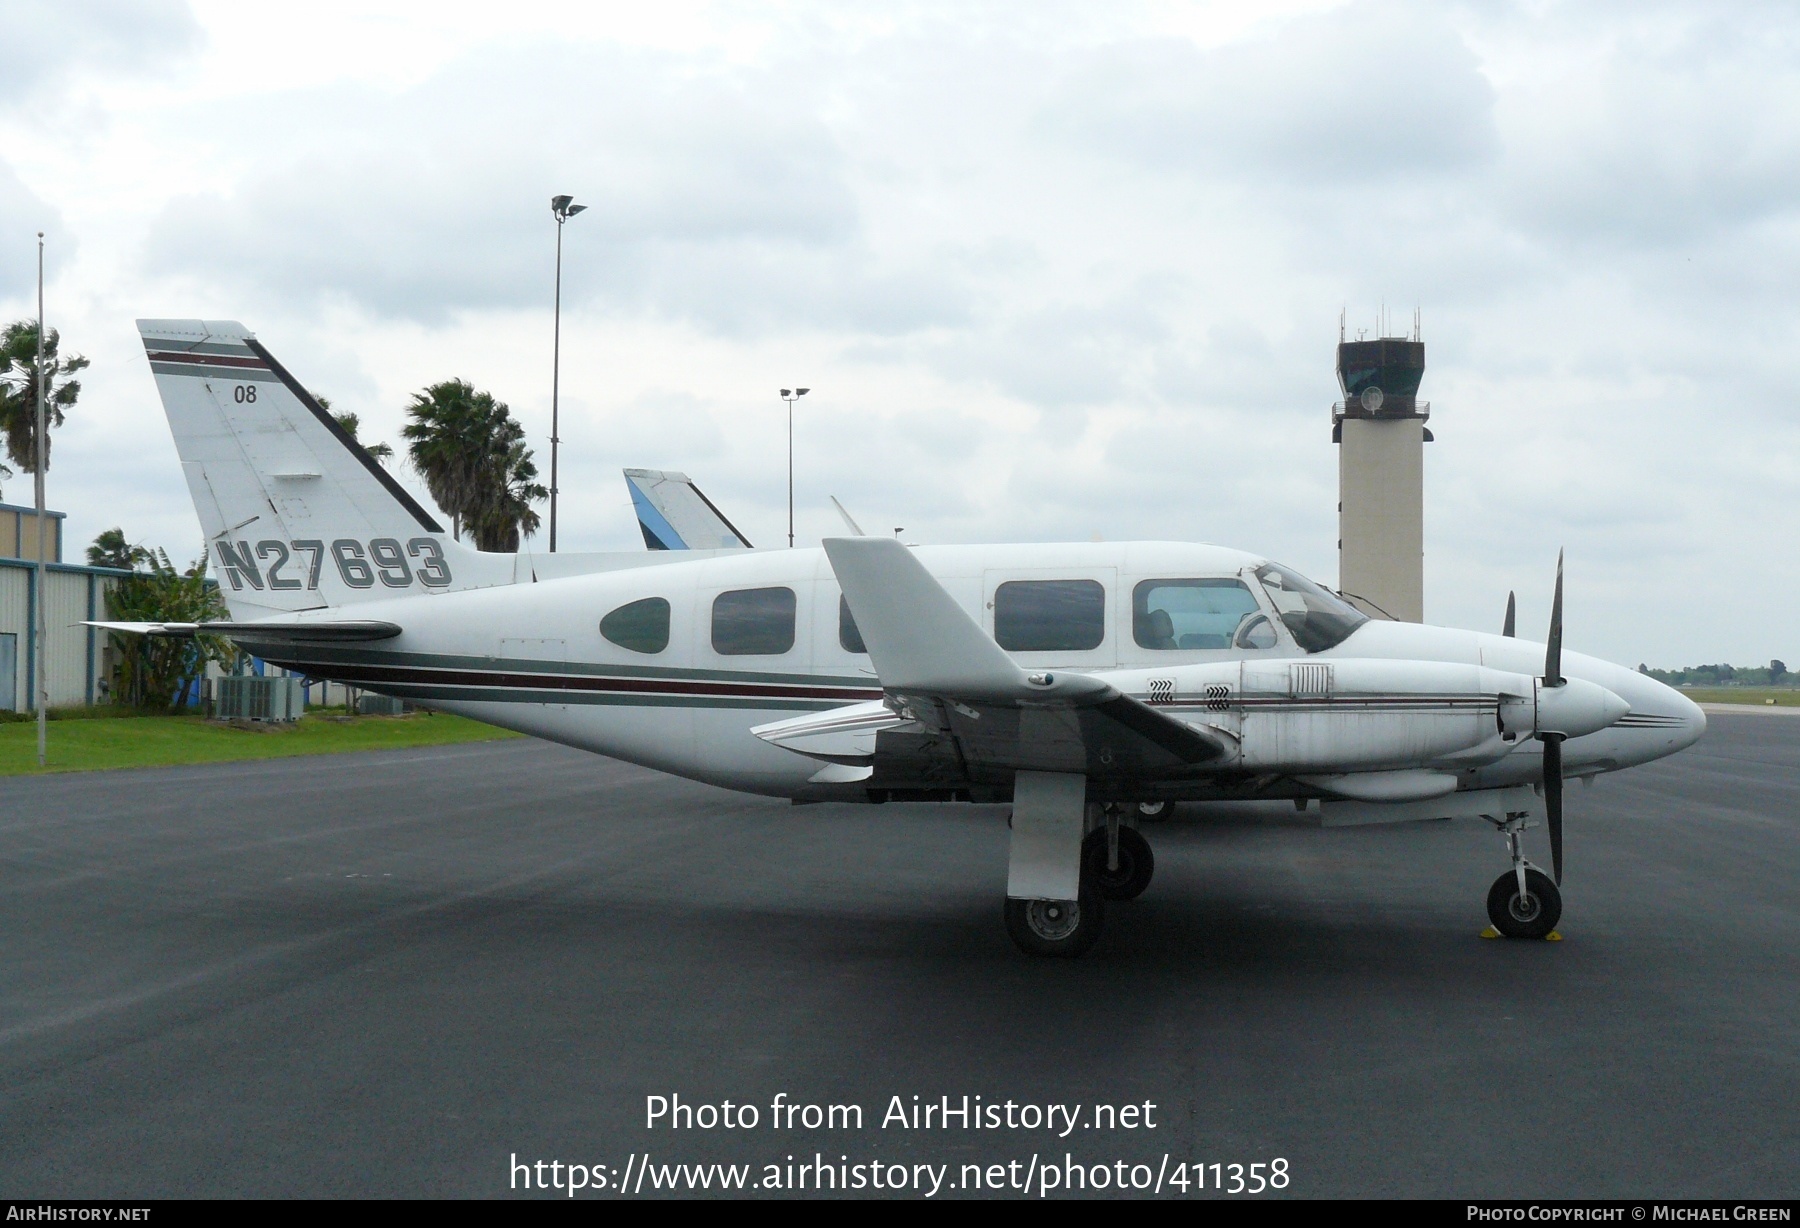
<point x="1084" y="683"/>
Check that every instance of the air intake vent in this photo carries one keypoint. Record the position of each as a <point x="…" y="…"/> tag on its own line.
<point x="1309" y="681"/>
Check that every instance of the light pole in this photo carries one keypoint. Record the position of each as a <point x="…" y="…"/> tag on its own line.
<point x="790" y="396"/>
<point x="42" y="698"/>
<point x="563" y="208"/>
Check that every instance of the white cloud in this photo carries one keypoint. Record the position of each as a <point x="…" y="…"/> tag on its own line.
<point x="710" y="197"/>
<point x="1050" y="275"/>
<point x="48" y="42"/>
<point x="1383" y="93"/>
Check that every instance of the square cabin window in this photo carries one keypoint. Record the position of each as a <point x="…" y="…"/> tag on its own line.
<point x="753" y="622"/>
<point x="1189" y="614"/>
<point x="1050" y="615"/>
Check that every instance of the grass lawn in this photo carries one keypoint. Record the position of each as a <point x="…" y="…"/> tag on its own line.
<point x="164" y="741"/>
<point x="1784" y="697"/>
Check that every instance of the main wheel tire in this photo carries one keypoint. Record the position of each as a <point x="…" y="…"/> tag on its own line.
<point x="1056" y="927"/>
<point x="1137" y="865"/>
<point x="1533" y="915"/>
<point x="1155" y="812"/>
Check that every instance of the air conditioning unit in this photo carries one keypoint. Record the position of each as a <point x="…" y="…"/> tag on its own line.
<point x="250" y="698"/>
<point x="380" y="705"/>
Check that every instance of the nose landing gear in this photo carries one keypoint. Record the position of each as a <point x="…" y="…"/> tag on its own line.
<point x="1523" y="902"/>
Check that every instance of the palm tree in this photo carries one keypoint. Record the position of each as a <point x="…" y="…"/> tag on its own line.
<point x="445" y="442"/>
<point x="110" y="549"/>
<point x="349" y="421"/>
<point x="382" y="452"/>
<point x="19" y="389"/>
<point x="472" y="454"/>
<point x="508" y="490"/>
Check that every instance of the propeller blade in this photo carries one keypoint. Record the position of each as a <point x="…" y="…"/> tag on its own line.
<point x="1553" y="799"/>
<point x="1553" y="652"/>
<point x="1512" y="609"/>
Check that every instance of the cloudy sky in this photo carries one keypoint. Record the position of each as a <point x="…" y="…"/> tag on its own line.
<point x="1052" y="270"/>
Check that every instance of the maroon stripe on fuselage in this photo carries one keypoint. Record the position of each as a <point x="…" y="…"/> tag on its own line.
<point x="374" y="675"/>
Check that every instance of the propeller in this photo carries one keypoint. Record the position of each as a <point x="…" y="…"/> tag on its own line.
<point x="1512" y="607"/>
<point x="1553" y="742"/>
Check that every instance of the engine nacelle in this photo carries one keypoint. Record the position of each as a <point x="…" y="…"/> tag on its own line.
<point x="1572" y="709"/>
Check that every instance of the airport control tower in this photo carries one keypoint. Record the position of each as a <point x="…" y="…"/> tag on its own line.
<point x="1380" y="431"/>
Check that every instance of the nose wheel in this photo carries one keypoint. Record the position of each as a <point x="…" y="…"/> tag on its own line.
<point x="1531" y="911"/>
<point x="1523" y="902"/>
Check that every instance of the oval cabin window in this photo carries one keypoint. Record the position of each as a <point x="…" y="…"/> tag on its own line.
<point x="641" y="626"/>
<point x="753" y="622"/>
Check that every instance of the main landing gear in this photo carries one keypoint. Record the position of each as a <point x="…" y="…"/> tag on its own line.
<point x="1064" y="928"/>
<point x="1117" y="860"/>
<point x="1053" y="861"/>
<point x="1523" y="902"/>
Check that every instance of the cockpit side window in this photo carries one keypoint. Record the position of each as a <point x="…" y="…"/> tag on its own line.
<point x="1315" y="618"/>
<point x="1171" y="615"/>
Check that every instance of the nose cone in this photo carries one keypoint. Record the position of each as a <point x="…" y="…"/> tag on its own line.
<point x="1693" y="718"/>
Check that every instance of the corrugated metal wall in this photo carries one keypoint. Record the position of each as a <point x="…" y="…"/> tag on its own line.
<point x="75" y="652"/>
<point x="14" y="591"/>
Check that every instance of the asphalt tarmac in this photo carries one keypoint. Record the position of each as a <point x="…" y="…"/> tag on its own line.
<point x="396" y="973"/>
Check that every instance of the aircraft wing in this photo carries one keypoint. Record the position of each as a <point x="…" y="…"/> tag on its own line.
<point x="958" y="705"/>
<point x="312" y="631"/>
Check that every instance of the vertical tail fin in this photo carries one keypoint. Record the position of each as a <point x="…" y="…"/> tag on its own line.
<point x="296" y="514"/>
<point x="674" y="515"/>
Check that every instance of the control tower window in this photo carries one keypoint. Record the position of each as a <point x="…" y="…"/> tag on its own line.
<point x="642" y="626"/>
<point x="1316" y="619"/>
<point x="752" y="622"/>
<point x="1168" y="615"/>
<point x="1050" y="615"/>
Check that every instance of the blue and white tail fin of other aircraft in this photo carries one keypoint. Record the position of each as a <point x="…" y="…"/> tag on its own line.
<point x="674" y="515"/>
<point x="297" y="516"/>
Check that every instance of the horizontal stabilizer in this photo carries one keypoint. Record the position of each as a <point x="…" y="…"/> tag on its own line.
<point x="842" y="735"/>
<point x="313" y="632"/>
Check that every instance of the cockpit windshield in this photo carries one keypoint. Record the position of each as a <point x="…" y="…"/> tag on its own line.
<point x="1317" y="619"/>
